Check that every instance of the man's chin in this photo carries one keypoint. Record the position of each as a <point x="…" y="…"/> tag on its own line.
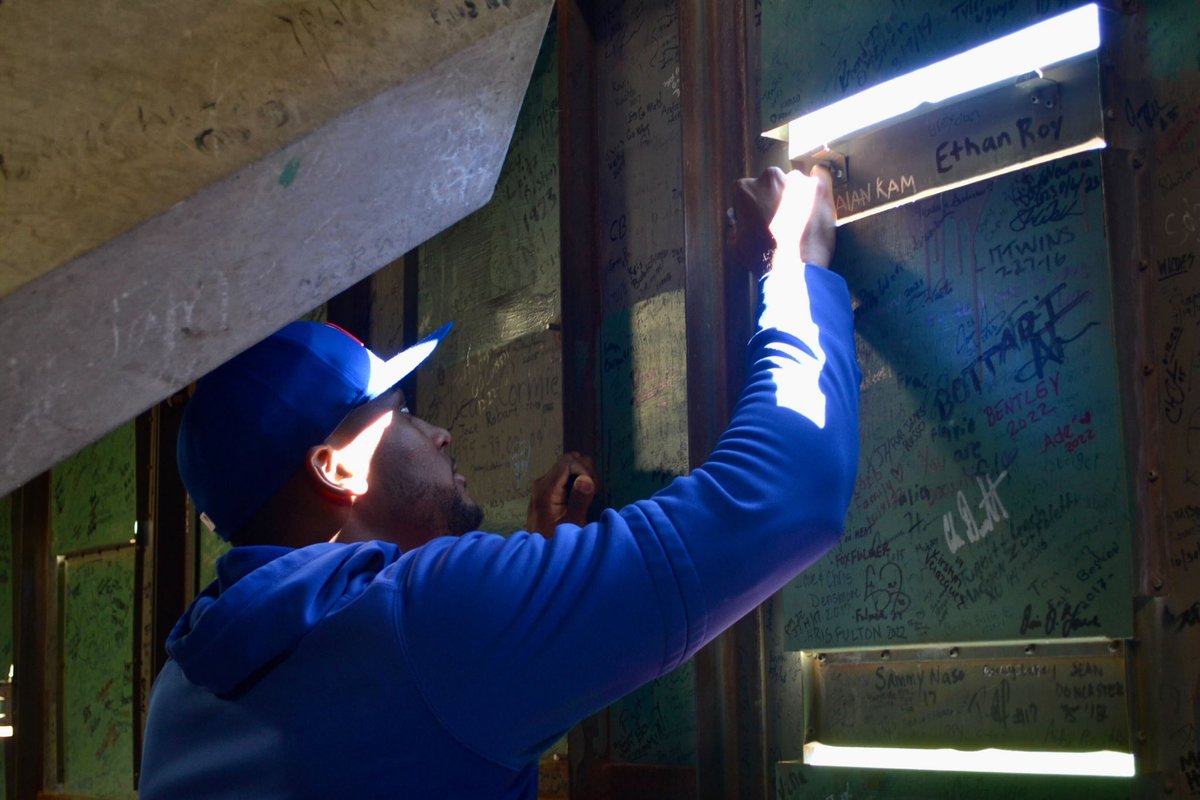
<point x="465" y="515"/>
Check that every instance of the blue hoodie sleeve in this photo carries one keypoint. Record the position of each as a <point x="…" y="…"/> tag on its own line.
<point x="515" y="639"/>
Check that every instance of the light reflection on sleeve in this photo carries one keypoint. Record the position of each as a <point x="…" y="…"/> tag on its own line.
<point x="787" y="306"/>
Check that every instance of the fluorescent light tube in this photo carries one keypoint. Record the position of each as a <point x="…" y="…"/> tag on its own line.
<point x="1101" y="763"/>
<point x="1028" y="50"/>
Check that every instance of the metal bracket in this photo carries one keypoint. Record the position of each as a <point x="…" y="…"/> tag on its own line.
<point x="1042" y="91"/>
<point x="837" y="164"/>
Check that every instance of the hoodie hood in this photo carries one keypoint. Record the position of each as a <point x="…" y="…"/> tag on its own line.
<point x="264" y="601"/>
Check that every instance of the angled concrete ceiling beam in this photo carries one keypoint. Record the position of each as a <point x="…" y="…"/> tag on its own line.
<point x="88" y="343"/>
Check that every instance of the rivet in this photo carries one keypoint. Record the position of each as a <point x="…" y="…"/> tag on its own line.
<point x="954" y="652"/>
<point x="1148" y="369"/>
<point x="885" y="655"/>
<point x="1152" y="475"/>
<point x="1029" y="649"/>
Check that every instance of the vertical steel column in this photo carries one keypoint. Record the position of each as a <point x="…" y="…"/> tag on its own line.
<point x="163" y="542"/>
<point x="31" y="588"/>
<point x="350" y="310"/>
<point x="1130" y="166"/>
<point x="173" y="587"/>
<point x="579" y="159"/>
<point x="717" y="117"/>
<point x="410" y="320"/>
<point x="143" y="581"/>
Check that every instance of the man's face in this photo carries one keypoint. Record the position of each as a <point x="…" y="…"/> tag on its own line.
<point x="415" y="493"/>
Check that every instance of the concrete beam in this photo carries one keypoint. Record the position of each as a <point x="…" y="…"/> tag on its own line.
<point x="87" y="344"/>
<point x="116" y="110"/>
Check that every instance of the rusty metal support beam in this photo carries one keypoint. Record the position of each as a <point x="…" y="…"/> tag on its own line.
<point x="717" y="112"/>
<point x="173" y="587"/>
<point x="143" y="620"/>
<point x="32" y="565"/>
<point x="579" y="159"/>
<point x="161" y="577"/>
<point x="411" y="331"/>
<point x="350" y="310"/>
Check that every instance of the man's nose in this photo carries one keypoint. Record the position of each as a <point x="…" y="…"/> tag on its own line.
<point x="439" y="436"/>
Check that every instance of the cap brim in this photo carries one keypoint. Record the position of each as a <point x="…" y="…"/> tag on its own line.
<point x="386" y="374"/>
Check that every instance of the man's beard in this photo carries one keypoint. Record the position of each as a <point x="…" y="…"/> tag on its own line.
<point x="463" y="516"/>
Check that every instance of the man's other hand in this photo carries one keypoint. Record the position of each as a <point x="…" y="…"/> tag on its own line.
<point x="781" y="218"/>
<point x="562" y="495"/>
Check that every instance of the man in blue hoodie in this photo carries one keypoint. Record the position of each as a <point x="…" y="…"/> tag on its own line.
<point x="363" y="640"/>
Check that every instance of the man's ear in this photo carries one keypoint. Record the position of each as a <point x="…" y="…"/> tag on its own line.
<point x="333" y="476"/>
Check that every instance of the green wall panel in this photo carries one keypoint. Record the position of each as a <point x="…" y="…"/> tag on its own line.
<point x="93" y="500"/>
<point x="496" y="382"/>
<point x="97" y="674"/>
<point x="992" y="499"/>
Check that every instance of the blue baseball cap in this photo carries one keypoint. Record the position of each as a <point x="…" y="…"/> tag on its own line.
<point x="252" y="420"/>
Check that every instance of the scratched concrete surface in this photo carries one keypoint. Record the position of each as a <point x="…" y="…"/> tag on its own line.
<point x="97" y="340"/>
